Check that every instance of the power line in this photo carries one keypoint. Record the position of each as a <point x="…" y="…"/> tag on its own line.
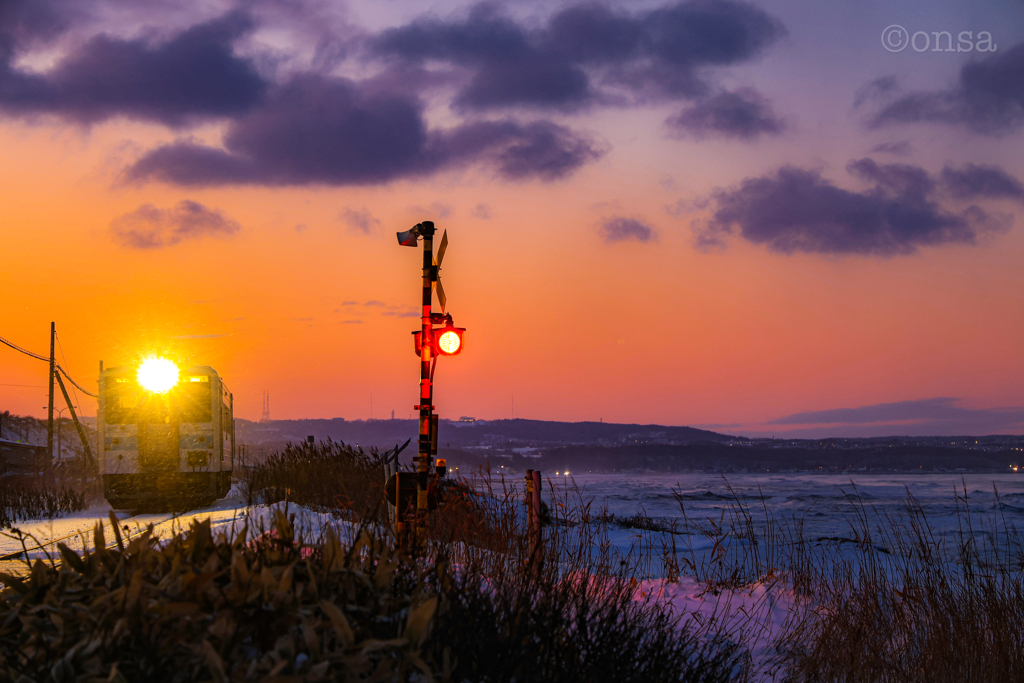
<point x="25" y="351"/>
<point x="61" y="347"/>
<point x="47" y="359"/>
<point x="80" y="387"/>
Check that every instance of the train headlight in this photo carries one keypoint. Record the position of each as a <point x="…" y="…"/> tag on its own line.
<point x="158" y="375"/>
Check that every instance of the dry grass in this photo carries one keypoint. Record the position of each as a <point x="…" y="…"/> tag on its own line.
<point x="326" y="476"/>
<point x="277" y="606"/>
<point x="30" y="498"/>
<point x="910" y="606"/>
<point x="892" y="601"/>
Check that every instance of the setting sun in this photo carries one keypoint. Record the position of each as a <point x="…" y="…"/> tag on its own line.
<point x="158" y="375"/>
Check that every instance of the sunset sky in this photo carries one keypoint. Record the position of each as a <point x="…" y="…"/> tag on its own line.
<point x="761" y="218"/>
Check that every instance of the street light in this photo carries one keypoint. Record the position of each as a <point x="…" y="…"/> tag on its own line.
<point x="60" y="416"/>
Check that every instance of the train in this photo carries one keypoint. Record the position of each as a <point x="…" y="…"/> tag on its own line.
<point x="168" y="436"/>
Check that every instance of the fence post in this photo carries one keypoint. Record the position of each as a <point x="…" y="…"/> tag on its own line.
<point x="533" y="488"/>
<point x="528" y="500"/>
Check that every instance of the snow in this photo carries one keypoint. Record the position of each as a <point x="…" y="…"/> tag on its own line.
<point x="228" y="515"/>
<point x="756" y="616"/>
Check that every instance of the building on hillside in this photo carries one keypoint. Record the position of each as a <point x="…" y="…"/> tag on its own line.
<point x="22" y="458"/>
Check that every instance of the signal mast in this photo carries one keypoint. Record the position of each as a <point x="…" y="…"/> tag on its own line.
<point x="430" y="342"/>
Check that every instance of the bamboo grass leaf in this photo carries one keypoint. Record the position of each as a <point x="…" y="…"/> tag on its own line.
<point x="340" y="623"/>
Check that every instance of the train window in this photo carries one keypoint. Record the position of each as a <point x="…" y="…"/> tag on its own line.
<point x="196" y="401"/>
<point x="120" y="401"/>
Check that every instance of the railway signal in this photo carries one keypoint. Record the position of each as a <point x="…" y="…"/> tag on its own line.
<point x="430" y="342"/>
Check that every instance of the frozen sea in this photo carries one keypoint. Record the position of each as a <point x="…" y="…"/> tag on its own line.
<point x="824" y="507"/>
<point x="824" y="501"/>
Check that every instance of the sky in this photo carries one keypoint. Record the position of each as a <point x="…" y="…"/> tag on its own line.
<point x="770" y="218"/>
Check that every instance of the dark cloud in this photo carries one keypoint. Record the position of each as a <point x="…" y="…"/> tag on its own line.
<point x="988" y="98"/>
<point x="193" y="75"/>
<point x="900" y="148"/>
<point x="361" y="221"/>
<point x="975" y="180"/>
<point x="931" y="408"/>
<point x="620" y="229"/>
<point x="26" y="21"/>
<point x="876" y="91"/>
<point x="510" y="66"/>
<point x="539" y="149"/>
<point x="435" y="211"/>
<point x="709" y="32"/>
<point x="482" y="211"/>
<point x="593" y="34"/>
<point x="797" y="210"/>
<point x="932" y="416"/>
<point x="570" y="61"/>
<point x="150" y="228"/>
<point x="743" y="114"/>
<point x="315" y="129"/>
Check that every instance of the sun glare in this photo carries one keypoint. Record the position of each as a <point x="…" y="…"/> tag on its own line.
<point x="158" y="374"/>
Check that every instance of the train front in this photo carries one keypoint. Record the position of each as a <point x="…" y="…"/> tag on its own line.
<point x="167" y="435"/>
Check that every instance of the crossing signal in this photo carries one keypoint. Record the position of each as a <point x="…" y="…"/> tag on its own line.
<point x="447" y="341"/>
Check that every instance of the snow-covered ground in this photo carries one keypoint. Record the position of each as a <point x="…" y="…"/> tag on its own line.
<point x="227" y="515"/>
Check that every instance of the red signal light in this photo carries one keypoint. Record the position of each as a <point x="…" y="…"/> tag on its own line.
<point x="447" y="340"/>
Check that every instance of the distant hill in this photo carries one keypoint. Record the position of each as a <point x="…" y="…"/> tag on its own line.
<point x="498" y="433"/>
<point x="602" y="446"/>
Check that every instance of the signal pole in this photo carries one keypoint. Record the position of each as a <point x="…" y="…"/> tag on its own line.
<point x="426" y="407"/>
<point x="449" y="343"/>
<point x="49" y="409"/>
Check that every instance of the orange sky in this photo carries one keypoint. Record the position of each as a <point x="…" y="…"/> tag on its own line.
<point x="576" y="327"/>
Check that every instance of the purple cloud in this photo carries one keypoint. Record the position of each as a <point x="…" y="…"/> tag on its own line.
<point x="899" y="148"/>
<point x="359" y="221"/>
<point x="987" y="98"/>
<point x="333" y="131"/>
<point x="570" y="62"/>
<point x="923" y="416"/>
<point x="743" y="114"/>
<point x="797" y="210"/>
<point x="151" y="228"/>
<point x="621" y="229"/>
<point x="975" y="180"/>
<point x="193" y="75"/>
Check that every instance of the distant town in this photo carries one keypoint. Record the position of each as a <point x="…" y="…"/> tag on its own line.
<point x="517" y="445"/>
<point x="514" y="446"/>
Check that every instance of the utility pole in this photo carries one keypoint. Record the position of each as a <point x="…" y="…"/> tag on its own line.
<point x="89" y="462"/>
<point x="49" y="411"/>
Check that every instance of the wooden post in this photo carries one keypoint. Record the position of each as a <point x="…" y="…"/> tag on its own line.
<point x="533" y="488"/>
<point x="528" y="500"/>
<point x="536" y="502"/>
